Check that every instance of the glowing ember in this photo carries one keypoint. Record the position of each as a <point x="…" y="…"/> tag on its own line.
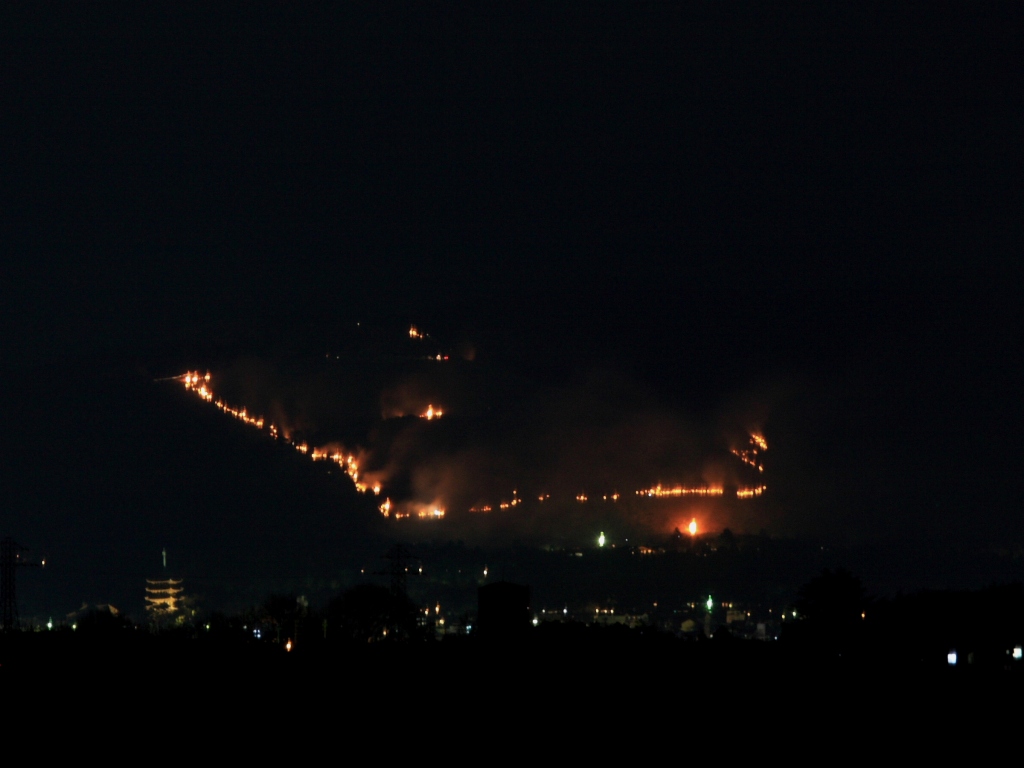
<point x="749" y="455"/>
<point x="660" y="491"/>
<point x="503" y="504"/>
<point x="347" y="462"/>
<point x="749" y="493"/>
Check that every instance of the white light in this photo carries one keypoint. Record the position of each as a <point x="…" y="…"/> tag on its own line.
<point x="1018" y="652"/>
<point x="601" y="539"/>
<point x="951" y="658"/>
<point x="535" y="622"/>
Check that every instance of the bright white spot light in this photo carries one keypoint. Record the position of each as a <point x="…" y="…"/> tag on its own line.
<point x="951" y="658"/>
<point x="1018" y="652"/>
<point x="601" y="539"/>
<point x="710" y="603"/>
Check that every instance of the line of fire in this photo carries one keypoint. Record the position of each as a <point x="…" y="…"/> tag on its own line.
<point x="750" y="457"/>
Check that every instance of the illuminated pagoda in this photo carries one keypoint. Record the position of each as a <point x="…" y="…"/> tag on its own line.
<point x="164" y="597"/>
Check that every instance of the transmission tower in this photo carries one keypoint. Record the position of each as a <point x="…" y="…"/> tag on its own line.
<point x="399" y="557"/>
<point x="10" y="559"/>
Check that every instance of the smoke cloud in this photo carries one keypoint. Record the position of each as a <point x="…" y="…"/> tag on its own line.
<point x="503" y="455"/>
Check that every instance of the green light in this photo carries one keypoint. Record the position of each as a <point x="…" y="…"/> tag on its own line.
<point x="601" y="539"/>
<point x="710" y="603"/>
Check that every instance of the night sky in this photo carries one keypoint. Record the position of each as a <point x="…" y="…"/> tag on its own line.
<point x="714" y="217"/>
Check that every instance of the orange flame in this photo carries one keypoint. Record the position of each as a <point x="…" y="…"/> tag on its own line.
<point x="749" y="455"/>
<point x="660" y="491"/>
<point x="347" y="462"/>
<point x="749" y="493"/>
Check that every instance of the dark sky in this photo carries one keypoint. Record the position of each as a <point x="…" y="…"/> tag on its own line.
<point x="727" y="201"/>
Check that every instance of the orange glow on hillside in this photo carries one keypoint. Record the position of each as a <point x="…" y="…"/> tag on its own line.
<point x="375" y="482"/>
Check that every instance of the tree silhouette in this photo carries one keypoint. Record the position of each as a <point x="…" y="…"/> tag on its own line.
<point x="830" y="608"/>
<point x="368" y="613"/>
